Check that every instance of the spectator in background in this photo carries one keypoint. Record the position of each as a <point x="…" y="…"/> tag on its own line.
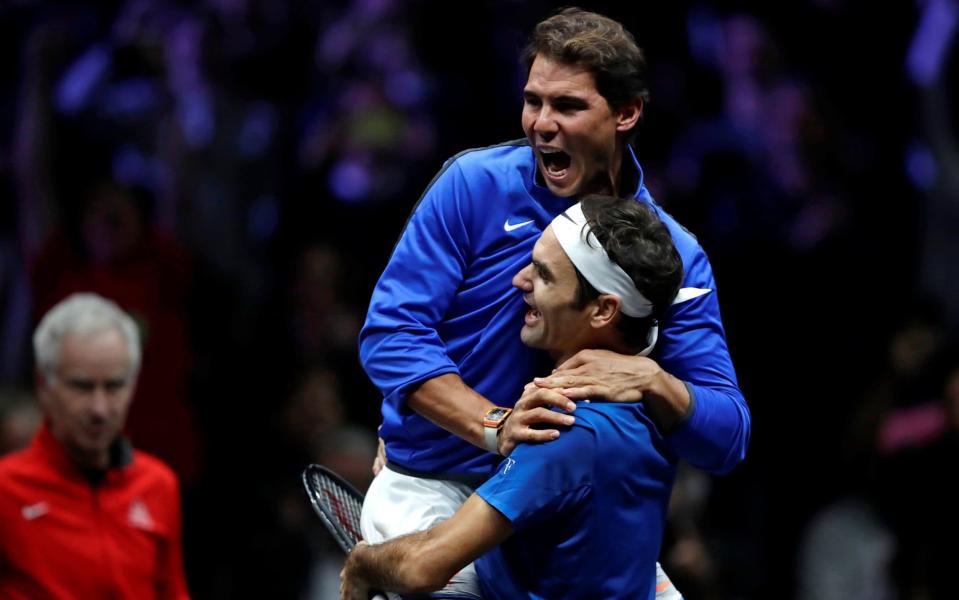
<point x="323" y="323"/>
<point x="107" y="244"/>
<point x="290" y="542"/>
<point x="84" y="514"/>
<point x="19" y="420"/>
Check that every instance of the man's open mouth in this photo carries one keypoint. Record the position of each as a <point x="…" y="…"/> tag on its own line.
<point x="555" y="162"/>
<point x="532" y="316"/>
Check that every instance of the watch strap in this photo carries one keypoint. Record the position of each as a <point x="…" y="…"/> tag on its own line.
<point x="490" y="439"/>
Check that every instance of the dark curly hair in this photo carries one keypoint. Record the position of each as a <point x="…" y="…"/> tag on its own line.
<point x="597" y="44"/>
<point x="637" y="240"/>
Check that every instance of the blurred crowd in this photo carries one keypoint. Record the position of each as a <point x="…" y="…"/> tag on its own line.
<point x="234" y="173"/>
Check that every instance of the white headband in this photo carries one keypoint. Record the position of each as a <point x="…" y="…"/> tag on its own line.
<point x="589" y="256"/>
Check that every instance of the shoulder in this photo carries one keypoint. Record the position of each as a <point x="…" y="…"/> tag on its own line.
<point x="696" y="266"/>
<point x="19" y="464"/>
<point x="575" y="445"/>
<point x="492" y="159"/>
<point x="617" y="425"/>
<point x="605" y="419"/>
<point x="467" y="183"/>
<point x="597" y="423"/>
<point x="10" y="462"/>
<point x="22" y="475"/>
<point x="504" y="152"/>
<point x="151" y="469"/>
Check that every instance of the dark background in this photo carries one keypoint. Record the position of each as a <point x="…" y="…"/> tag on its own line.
<point x="235" y="173"/>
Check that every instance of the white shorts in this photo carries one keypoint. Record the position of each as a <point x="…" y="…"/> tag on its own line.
<point x="397" y="504"/>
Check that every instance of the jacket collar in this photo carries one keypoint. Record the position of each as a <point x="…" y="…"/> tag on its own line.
<point x="121" y="455"/>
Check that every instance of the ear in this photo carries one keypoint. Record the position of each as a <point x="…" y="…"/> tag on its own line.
<point x="605" y="311"/>
<point x="628" y="115"/>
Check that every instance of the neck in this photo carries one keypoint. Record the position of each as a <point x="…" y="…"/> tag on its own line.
<point x="96" y="461"/>
<point x="561" y="357"/>
<point x="612" y="343"/>
<point x="609" y="182"/>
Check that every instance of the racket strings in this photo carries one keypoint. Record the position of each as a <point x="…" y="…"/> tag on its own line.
<point x="347" y="511"/>
<point x="341" y="504"/>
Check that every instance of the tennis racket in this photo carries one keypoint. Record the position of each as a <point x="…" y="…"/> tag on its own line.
<point x="338" y="505"/>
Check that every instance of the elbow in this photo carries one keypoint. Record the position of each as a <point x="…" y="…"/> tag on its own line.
<point x="735" y="456"/>
<point x="724" y="468"/>
<point x="420" y="578"/>
<point x="423" y="573"/>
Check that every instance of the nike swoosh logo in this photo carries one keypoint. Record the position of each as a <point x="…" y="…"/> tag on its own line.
<point x="507" y="226"/>
<point x="686" y="294"/>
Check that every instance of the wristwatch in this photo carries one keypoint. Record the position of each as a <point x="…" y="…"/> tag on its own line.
<point x="493" y="422"/>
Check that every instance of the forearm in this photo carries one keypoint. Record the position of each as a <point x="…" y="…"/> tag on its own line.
<point x="396" y="566"/>
<point x="451" y="404"/>
<point x="716" y="434"/>
<point x="668" y="401"/>
<point x="624" y="378"/>
<point x="425" y="561"/>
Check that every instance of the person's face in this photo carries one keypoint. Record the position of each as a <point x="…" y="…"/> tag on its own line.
<point x="111" y="225"/>
<point x="549" y="286"/>
<point x="572" y="129"/>
<point x="87" y="400"/>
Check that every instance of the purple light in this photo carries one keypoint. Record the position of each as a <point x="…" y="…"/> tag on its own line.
<point x="350" y="181"/>
<point x="921" y="166"/>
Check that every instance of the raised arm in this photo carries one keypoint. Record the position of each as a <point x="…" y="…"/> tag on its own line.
<point x="425" y="561"/>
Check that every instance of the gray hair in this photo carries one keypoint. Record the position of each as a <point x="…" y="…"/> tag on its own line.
<point x="82" y="314"/>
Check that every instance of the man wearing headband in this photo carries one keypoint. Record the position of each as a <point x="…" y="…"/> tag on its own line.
<point x="440" y="335"/>
<point x="581" y="516"/>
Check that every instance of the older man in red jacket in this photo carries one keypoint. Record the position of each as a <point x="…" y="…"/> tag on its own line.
<point x="82" y="514"/>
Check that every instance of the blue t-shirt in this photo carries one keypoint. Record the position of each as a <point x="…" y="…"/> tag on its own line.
<point x="445" y="304"/>
<point x="588" y="510"/>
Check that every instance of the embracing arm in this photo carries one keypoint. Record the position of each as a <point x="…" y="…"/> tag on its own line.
<point x="425" y="561"/>
<point x="620" y="378"/>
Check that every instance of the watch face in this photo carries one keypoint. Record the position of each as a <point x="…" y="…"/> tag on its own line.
<point x="496" y="414"/>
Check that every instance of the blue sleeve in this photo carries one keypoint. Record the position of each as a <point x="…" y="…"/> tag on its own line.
<point x="399" y="344"/>
<point x="539" y="480"/>
<point x="693" y="348"/>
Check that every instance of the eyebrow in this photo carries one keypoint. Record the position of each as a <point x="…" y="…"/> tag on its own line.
<point x="561" y="99"/>
<point x="92" y="382"/>
<point x="542" y="269"/>
<point x="570" y="100"/>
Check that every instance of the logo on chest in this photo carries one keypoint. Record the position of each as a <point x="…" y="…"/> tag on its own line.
<point x="508" y="227"/>
<point x="35" y="510"/>
<point x="139" y="516"/>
